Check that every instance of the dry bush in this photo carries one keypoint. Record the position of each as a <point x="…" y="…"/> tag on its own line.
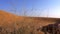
<point x="27" y="29"/>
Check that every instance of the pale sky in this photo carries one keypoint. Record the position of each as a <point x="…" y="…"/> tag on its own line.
<point x="41" y="8"/>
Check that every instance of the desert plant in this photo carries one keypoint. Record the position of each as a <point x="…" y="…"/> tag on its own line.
<point x="20" y="30"/>
<point x="26" y="30"/>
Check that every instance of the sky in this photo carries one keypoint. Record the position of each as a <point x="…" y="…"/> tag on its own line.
<point x="34" y="8"/>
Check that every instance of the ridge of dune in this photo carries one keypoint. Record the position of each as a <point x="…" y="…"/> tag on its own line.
<point x="8" y="16"/>
<point x="7" y="20"/>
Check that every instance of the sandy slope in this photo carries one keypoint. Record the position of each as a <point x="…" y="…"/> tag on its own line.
<point x="8" y="20"/>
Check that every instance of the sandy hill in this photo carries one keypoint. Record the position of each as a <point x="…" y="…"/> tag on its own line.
<point x="9" y="18"/>
<point x="10" y="21"/>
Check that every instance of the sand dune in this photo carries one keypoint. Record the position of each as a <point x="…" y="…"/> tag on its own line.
<point x="10" y="21"/>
